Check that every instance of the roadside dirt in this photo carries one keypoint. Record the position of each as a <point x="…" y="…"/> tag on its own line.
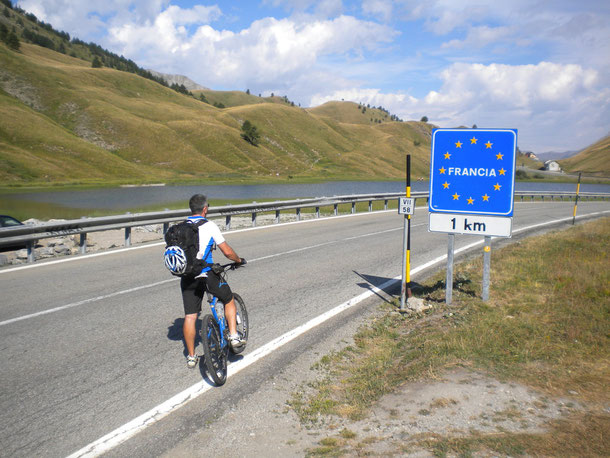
<point x="457" y="403"/>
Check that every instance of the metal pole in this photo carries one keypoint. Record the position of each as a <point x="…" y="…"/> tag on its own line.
<point x="406" y="283"/>
<point x="486" y="267"/>
<point x="128" y="236"/>
<point x="403" y="289"/>
<point x="576" y="200"/>
<point x="449" y="279"/>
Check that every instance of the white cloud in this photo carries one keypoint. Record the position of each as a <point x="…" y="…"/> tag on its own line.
<point x="378" y="8"/>
<point x="89" y="19"/>
<point x="479" y="37"/>
<point x="265" y="53"/>
<point x="554" y="107"/>
<point x="320" y="8"/>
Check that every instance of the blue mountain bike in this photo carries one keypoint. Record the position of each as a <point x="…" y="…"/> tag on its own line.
<point x="215" y="332"/>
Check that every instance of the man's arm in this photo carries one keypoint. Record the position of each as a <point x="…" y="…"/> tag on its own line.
<point x="228" y="252"/>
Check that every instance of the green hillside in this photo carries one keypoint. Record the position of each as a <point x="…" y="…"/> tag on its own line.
<point x="66" y="122"/>
<point x="594" y="159"/>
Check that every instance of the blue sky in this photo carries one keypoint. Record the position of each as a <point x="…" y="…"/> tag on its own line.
<point x="542" y="67"/>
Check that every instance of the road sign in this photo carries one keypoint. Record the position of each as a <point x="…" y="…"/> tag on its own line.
<point x="472" y="171"/>
<point x="459" y="223"/>
<point x="406" y="206"/>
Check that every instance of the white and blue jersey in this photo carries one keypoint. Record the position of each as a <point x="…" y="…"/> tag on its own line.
<point x="209" y="234"/>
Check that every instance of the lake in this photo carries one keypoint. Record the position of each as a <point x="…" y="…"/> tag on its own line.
<point x="92" y="202"/>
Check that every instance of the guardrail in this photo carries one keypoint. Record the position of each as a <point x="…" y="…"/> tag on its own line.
<point x="29" y="234"/>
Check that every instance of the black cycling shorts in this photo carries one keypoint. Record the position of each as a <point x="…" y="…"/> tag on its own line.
<point x="194" y="288"/>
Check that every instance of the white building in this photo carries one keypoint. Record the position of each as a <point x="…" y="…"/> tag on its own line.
<point x="552" y="166"/>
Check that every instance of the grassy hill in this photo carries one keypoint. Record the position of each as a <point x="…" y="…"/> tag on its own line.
<point x="63" y="121"/>
<point x="594" y="159"/>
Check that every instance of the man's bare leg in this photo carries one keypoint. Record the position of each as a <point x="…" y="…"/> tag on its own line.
<point x="188" y="329"/>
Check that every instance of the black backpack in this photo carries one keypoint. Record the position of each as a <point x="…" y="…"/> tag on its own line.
<point x="182" y="241"/>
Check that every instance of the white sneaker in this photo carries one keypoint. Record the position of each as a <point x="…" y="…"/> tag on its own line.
<point x="191" y="361"/>
<point x="236" y="341"/>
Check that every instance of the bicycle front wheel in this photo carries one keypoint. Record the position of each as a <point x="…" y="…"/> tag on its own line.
<point x="214" y="355"/>
<point x="243" y="326"/>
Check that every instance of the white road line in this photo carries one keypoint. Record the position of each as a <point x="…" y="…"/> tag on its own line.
<point x="130" y="429"/>
<point x="152" y="285"/>
<point x="84" y="301"/>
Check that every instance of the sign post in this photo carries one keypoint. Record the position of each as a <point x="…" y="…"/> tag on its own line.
<point x="406" y="206"/>
<point x="576" y="199"/>
<point x="472" y="184"/>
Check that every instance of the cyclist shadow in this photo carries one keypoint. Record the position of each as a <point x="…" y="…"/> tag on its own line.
<point x="174" y="332"/>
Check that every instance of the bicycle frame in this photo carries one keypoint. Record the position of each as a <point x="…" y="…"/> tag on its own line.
<point x="222" y="323"/>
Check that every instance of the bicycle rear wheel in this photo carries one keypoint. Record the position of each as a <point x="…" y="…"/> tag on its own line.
<point x="243" y="325"/>
<point x="215" y="356"/>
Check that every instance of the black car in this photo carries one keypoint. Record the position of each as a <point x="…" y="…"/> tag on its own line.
<point x="9" y="221"/>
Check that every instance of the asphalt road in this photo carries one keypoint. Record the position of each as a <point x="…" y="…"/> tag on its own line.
<point x="111" y="349"/>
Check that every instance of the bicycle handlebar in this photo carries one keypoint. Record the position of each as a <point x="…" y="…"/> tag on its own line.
<point x="234" y="265"/>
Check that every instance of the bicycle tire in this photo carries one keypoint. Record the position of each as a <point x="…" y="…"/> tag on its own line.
<point x="214" y="356"/>
<point x="243" y="325"/>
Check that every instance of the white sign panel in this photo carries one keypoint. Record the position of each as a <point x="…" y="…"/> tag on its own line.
<point x="495" y="226"/>
<point x="406" y="206"/>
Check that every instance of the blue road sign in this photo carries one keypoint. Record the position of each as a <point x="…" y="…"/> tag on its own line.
<point x="473" y="171"/>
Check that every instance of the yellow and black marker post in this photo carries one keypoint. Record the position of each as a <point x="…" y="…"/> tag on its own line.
<point x="406" y="283"/>
<point x="576" y="200"/>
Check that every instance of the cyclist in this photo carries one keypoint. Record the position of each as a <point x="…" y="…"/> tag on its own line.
<point x="193" y="288"/>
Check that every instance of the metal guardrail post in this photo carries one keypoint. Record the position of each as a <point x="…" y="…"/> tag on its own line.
<point x="82" y="244"/>
<point x="253" y="219"/>
<point x="370" y="205"/>
<point x="353" y="207"/>
<point x="31" y="253"/>
<point x="336" y="209"/>
<point x="228" y="222"/>
<point x="317" y="212"/>
<point x="128" y="236"/>
<point x="385" y="204"/>
<point x="165" y="228"/>
<point x="277" y="217"/>
<point x="299" y="214"/>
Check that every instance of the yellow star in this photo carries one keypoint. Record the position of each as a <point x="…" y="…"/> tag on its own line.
<point x="473" y="141"/>
<point x="458" y="145"/>
<point x="456" y="196"/>
<point x="486" y="198"/>
<point x="442" y="170"/>
<point x="497" y="186"/>
<point x="446" y="185"/>
<point x="470" y="201"/>
<point x="499" y="156"/>
<point x="488" y="144"/>
<point x="502" y="171"/>
<point x="447" y="155"/>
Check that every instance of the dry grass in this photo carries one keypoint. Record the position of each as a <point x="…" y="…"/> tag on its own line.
<point x="546" y="325"/>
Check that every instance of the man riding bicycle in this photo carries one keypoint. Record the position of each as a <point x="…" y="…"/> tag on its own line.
<point x="193" y="288"/>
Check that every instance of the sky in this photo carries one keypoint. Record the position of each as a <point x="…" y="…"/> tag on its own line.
<point x="539" y="66"/>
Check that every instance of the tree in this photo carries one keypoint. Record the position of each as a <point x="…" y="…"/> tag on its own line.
<point x="424" y="119"/>
<point x="248" y="91"/>
<point x="474" y="126"/>
<point x="96" y="63"/>
<point x="250" y="133"/>
<point x="12" y="41"/>
<point x="203" y="98"/>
